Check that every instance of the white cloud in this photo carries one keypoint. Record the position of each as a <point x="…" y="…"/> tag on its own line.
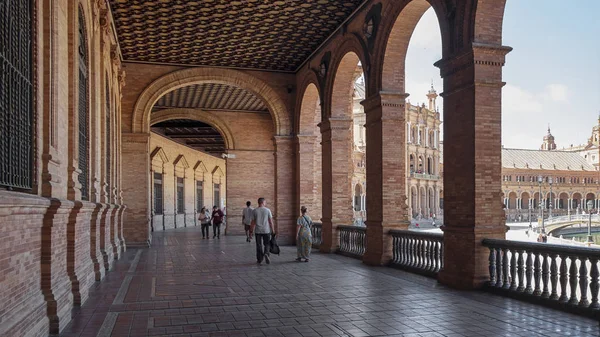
<point x="557" y="92"/>
<point x="516" y="100"/>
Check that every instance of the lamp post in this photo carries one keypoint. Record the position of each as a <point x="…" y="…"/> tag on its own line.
<point x="551" y="200"/>
<point x="540" y="179"/>
<point x="590" y="204"/>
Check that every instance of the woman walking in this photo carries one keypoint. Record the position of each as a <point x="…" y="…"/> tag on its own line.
<point x="204" y="221"/>
<point x="303" y="236"/>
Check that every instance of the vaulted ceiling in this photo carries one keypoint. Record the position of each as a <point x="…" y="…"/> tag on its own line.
<point x="257" y="34"/>
<point x="194" y="134"/>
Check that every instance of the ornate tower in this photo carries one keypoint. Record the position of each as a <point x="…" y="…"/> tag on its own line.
<point x="432" y="95"/>
<point x="548" y="143"/>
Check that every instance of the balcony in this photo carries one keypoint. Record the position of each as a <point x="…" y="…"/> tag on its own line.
<point x="424" y="176"/>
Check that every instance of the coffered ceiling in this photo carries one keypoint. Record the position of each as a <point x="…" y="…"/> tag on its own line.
<point x="257" y="34"/>
<point x="211" y="96"/>
<point x="194" y="134"/>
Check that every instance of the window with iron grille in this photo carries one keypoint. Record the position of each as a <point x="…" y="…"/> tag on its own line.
<point x="217" y="195"/>
<point x="83" y="111"/>
<point x="16" y="94"/>
<point x="180" y="203"/>
<point x="108" y="153"/>
<point x="158" y="193"/>
<point x="199" y="195"/>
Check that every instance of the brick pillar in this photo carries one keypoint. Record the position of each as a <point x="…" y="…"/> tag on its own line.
<point x="472" y="148"/>
<point x="337" y="189"/>
<point x="386" y="173"/>
<point x="283" y="208"/>
<point x="308" y="176"/>
<point x="136" y="189"/>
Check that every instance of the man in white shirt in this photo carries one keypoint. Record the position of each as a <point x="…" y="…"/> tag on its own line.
<point x="262" y="225"/>
<point x="247" y="220"/>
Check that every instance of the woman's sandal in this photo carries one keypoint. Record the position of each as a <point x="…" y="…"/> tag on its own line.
<point x="306" y="260"/>
<point x="299" y="259"/>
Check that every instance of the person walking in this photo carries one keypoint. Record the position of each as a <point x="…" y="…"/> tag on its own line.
<point x="303" y="235"/>
<point x="262" y="225"/>
<point x="217" y="219"/>
<point x="247" y="220"/>
<point x="204" y="222"/>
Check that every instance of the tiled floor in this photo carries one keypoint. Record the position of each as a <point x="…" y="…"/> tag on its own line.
<point x="186" y="286"/>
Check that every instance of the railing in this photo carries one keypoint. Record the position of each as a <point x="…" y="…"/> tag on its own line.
<point x="424" y="176"/>
<point x="559" y="276"/>
<point x="353" y="240"/>
<point x="419" y="252"/>
<point x="573" y="217"/>
<point x="317" y="234"/>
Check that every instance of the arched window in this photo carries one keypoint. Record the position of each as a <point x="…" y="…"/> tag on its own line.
<point x="83" y="110"/>
<point x="16" y="96"/>
<point x="358" y="197"/>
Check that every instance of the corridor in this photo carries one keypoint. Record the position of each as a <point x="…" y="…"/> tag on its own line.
<point x="186" y="286"/>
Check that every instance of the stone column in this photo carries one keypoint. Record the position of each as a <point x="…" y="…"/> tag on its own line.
<point x="136" y="189"/>
<point x="386" y="173"/>
<point x="472" y="139"/>
<point x="337" y="192"/>
<point x="283" y="208"/>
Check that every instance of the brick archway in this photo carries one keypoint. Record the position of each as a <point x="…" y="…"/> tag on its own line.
<point x="182" y="78"/>
<point x="197" y="115"/>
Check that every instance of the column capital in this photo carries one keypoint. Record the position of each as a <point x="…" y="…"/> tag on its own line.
<point x="384" y="99"/>
<point x="335" y="123"/>
<point x="479" y="54"/>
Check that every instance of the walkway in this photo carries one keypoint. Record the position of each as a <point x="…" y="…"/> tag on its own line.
<point x="185" y="286"/>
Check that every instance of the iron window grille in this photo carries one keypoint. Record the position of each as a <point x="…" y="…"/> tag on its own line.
<point x="199" y="195"/>
<point x="83" y="111"/>
<point x="180" y="202"/>
<point x="158" y="193"/>
<point x="16" y="95"/>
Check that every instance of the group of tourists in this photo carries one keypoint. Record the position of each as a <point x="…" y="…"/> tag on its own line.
<point x="206" y="218"/>
<point x="259" y="222"/>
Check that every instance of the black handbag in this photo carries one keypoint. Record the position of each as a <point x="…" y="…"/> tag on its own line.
<point x="273" y="246"/>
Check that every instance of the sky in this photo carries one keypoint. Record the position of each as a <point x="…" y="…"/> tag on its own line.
<point x="552" y="75"/>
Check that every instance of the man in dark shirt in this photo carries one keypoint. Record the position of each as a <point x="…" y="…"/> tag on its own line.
<point x="217" y="219"/>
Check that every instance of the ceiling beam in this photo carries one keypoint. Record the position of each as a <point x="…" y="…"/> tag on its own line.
<point x="194" y="135"/>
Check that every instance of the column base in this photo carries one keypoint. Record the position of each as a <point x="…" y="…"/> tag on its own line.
<point x="466" y="260"/>
<point x="379" y="250"/>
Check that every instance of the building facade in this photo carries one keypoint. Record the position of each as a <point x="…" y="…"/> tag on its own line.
<point x="424" y="179"/>
<point x="560" y="182"/>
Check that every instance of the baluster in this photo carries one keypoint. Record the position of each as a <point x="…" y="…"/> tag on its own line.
<point x="564" y="280"/>
<point x="529" y="273"/>
<point x="545" y="275"/>
<point x="505" y="268"/>
<point x="402" y="250"/>
<point x="442" y="254"/>
<point x="419" y="253"/>
<point x="492" y="259"/>
<point x="537" y="273"/>
<point x="409" y="258"/>
<point x="513" y="270"/>
<point x="521" y="268"/>
<point x="554" y="277"/>
<point x="430" y="255"/>
<point x="394" y="249"/>
<point x="573" y="280"/>
<point x="438" y="256"/>
<point x="594" y="286"/>
<point x="413" y="253"/>
<point x="583" y="283"/>
<point x="499" y="259"/>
